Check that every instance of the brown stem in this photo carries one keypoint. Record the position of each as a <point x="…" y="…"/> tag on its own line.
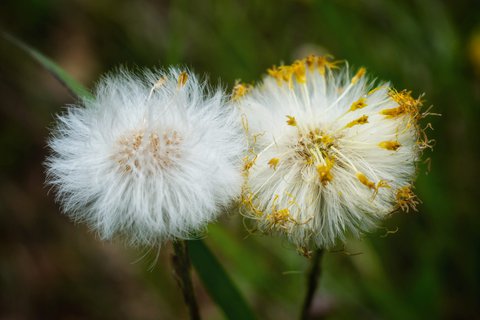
<point x="182" y="266"/>
<point x="312" y="282"/>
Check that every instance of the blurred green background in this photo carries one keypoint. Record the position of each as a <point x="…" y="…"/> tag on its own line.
<point x="429" y="269"/>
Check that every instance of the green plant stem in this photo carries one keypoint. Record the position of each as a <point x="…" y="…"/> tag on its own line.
<point x="182" y="266"/>
<point x="313" y="281"/>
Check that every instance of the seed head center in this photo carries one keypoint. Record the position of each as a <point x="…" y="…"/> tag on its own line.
<point x="314" y="146"/>
<point x="148" y="151"/>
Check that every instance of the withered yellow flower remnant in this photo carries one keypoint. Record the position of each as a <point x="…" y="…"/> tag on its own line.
<point x="359" y="104"/>
<point x="298" y="69"/>
<point x="273" y="163"/>
<point x="364" y="180"/>
<point x="240" y="89"/>
<point x="406" y="199"/>
<point x="360" y="73"/>
<point x="362" y="120"/>
<point x="324" y="171"/>
<point x="291" y="121"/>
<point x="390" y="145"/>
<point x="182" y="78"/>
<point x="407" y="105"/>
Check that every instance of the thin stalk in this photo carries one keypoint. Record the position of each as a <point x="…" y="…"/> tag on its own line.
<point x="313" y="281"/>
<point x="182" y="266"/>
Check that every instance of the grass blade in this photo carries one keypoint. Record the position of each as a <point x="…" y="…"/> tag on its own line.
<point x="218" y="284"/>
<point x="75" y="88"/>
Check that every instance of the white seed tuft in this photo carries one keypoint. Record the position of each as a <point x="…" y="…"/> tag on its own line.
<point x="329" y="154"/>
<point x="151" y="157"/>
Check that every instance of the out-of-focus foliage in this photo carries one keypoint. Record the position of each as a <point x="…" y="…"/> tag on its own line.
<point x="429" y="268"/>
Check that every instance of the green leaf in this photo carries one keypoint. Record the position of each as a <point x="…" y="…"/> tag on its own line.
<point x="63" y="77"/>
<point x="218" y="284"/>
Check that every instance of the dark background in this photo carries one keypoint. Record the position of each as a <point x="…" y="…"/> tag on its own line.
<point x="429" y="269"/>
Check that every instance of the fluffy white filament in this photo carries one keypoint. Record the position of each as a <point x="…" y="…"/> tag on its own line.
<point x="151" y="157"/>
<point x="329" y="153"/>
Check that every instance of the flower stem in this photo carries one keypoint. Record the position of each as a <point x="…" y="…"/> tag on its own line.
<point x="313" y="281"/>
<point x="182" y="266"/>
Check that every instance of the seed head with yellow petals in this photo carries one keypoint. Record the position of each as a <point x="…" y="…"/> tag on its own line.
<point x="330" y="153"/>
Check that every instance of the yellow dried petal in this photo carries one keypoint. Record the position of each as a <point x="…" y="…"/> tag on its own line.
<point x="406" y="105"/>
<point x="239" y="90"/>
<point x="298" y="69"/>
<point x="286" y="73"/>
<point x="327" y="140"/>
<point x="324" y="171"/>
<point x="406" y="199"/>
<point x="393" y="112"/>
<point x="310" y="61"/>
<point x="182" y="79"/>
<point x="323" y="63"/>
<point x="359" y="104"/>
<point x="364" y="180"/>
<point x="370" y="184"/>
<point x="362" y="120"/>
<point x="360" y="73"/>
<point x="275" y="73"/>
<point x="273" y="163"/>
<point x="291" y="121"/>
<point x="248" y="163"/>
<point x="390" y="145"/>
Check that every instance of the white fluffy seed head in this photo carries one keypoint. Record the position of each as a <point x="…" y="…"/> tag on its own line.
<point x="151" y="157"/>
<point x="330" y="154"/>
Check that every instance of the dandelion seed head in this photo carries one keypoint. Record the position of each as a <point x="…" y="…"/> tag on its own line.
<point x="152" y="157"/>
<point x="331" y="153"/>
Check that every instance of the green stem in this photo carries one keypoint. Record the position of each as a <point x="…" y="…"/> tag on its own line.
<point x="182" y="266"/>
<point x="312" y="282"/>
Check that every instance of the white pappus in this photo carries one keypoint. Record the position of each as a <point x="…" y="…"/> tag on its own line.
<point x="151" y="157"/>
<point x="330" y="154"/>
